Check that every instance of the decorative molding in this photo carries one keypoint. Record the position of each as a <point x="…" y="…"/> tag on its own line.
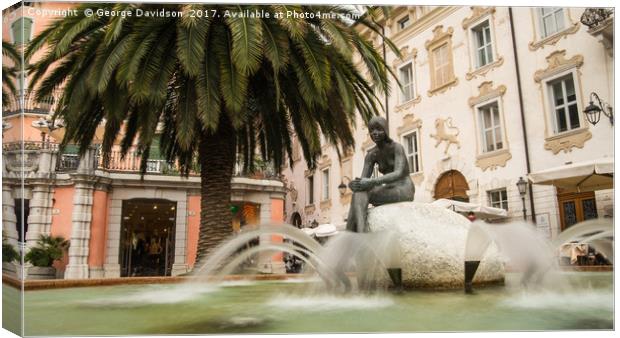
<point x="324" y="162"/>
<point x="557" y="63"/>
<point x="493" y="159"/>
<point x="486" y="92"/>
<point x="482" y="71"/>
<point x="410" y="123"/>
<point x="443" y="88"/>
<point x="308" y="173"/>
<point x="441" y="37"/>
<point x="405" y="56"/>
<point x="409" y="104"/>
<point x="309" y="209"/>
<point x="347" y="154"/>
<point x="442" y="135"/>
<point x="567" y="141"/>
<point x="477" y="14"/>
<point x="553" y="39"/>
<point x="326" y="204"/>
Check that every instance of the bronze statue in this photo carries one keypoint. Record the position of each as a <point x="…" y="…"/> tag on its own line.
<point x="394" y="186"/>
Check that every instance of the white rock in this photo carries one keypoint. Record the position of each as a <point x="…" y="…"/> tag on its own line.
<point x="433" y="245"/>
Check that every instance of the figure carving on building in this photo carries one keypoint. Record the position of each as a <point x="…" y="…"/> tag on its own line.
<point x="394" y="186"/>
<point x="446" y="132"/>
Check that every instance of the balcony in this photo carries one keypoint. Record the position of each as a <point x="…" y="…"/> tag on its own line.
<point x="600" y="22"/>
<point x="24" y="156"/>
<point x="27" y="104"/>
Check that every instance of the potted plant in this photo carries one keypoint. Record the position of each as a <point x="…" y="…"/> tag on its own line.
<point x="9" y="255"/>
<point x="43" y="255"/>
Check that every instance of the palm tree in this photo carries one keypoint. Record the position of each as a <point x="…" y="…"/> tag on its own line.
<point x="221" y="85"/>
<point x="9" y="74"/>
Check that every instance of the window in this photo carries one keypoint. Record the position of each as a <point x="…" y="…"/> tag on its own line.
<point x="310" y="189"/>
<point x="325" y="186"/>
<point x="22" y="211"/>
<point x="491" y="127"/>
<point x="483" y="43"/>
<point x="564" y="104"/>
<point x="406" y="80"/>
<point x="551" y="20"/>
<point x="404" y="23"/>
<point x="22" y="29"/>
<point x="498" y="199"/>
<point x="443" y="71"/>
<point x="410" y="142"/>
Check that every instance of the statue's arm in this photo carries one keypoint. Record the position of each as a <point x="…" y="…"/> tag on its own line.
<point x="356" y="184"/>
<point x="400" y="167"/>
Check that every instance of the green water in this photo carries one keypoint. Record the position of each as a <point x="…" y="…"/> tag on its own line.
<point x="270" y="307"/>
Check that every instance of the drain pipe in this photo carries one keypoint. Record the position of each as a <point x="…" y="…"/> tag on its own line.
<point x="527" y="150"/>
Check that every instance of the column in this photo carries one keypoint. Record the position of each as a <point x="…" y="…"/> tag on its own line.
<point x="180" y="240"/>
<point x="40" y="213"/>
<point x="84" y="181"/>
<point x="9" y="219"/>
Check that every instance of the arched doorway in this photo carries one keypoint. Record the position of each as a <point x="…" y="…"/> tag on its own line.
<point x="296" y="220"/>
<point x="452" y="185"/>
<point x="148" y="230"/>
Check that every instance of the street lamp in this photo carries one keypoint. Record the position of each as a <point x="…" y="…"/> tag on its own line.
<point x="522" y="186"/>
<point x="593" y="111"/>
<point x="342" y="188"/>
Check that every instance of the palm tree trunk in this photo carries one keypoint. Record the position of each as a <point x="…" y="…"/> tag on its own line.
<point x="217" y="154"/>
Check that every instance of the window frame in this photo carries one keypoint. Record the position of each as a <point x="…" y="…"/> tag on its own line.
<point x="12" y="34"/>
<point x="503" y="203"/>
<point x="489" y="47"/>
<point x="480" y="110"/>
<point x="325" y="184"/>
<point x="310" y="189"/>
<point x="411" y="85"/>
<point x="406" y="20"/>
<point x="416" y="155"/>
<point x="541" y="21"/>
<point x="550" y="102"/>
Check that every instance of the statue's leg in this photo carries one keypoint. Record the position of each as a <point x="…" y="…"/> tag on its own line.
<point x="356" y="221"/>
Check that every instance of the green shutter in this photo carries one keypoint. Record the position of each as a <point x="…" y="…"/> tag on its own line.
<point x="71" y="149"/>
<point x="22" y="29"/>
<point x="155" y="152"/>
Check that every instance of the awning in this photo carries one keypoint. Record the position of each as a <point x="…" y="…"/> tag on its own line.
<point x="481" y="211"/>
<point x="583" y="176"/>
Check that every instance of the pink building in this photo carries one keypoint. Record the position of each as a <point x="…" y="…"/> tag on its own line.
<point x="119" y="224"/>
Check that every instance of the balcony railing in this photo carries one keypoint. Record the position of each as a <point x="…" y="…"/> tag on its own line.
<point x="68" y="161"/>
<point x="26" y="103"/>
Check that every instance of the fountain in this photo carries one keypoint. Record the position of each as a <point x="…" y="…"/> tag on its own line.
<point x="343" y="288"/>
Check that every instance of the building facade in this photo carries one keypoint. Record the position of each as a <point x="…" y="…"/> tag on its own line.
<point x="119" y="223"/>
<point x="488" y="95"/>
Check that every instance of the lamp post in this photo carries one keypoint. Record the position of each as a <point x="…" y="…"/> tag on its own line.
<point x="522" y="186"/>
<point x="593" y="111"/>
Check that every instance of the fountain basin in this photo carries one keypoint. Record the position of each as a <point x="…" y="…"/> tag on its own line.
<point x="432" y="243"/>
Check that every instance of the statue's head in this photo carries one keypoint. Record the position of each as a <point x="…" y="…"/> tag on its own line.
<point x="377" y="128"/>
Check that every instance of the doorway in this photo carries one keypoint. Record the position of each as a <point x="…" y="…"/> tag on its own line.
<point x="147" y="237"/>
<point x="576" y="207"/>
<point x="452" y="185"/>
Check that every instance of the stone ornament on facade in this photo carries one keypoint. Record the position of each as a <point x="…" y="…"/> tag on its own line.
<point x="477" y="13"/>
<point x="493" y="160"/>
<point x="441" y="38"/>
<point x="567" y="141"/>
<point x="552" y="39"/>
<point x="459" y="164"/>
<point x="558" y="63"/>
<point x="446" y="132"/>
<point x="486" y="92"/>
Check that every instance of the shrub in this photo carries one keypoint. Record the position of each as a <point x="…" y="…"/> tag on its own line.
<point x="9" y="253"/>
<point x="48" y="250"/>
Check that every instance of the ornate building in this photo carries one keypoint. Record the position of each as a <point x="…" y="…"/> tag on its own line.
<point x="489" y="95"/>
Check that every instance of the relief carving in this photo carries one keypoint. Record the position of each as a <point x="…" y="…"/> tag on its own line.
<point x="477" y="13"/>
<point x="553" y="39"/>
<point x="567" y="141"/>
<point x="486" y="92"/>
<point x="493" y="160"/>
<point x="557" y="63"/>
<point x="482" y="71"/>
<point x="443" y="133"/>
<point x="409" y="123"/>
